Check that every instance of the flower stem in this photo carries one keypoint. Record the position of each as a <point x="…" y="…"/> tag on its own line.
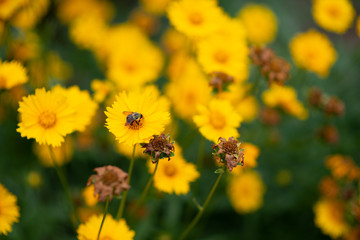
<point x="201" y="211"/>
<point x="103" y="219"/>
<point x="65" y="186"/>
<point x="123" y="200"/>
<point x="146" y="190"/>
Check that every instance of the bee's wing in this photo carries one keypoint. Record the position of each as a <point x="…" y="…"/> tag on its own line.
<point x="127" y="113"/>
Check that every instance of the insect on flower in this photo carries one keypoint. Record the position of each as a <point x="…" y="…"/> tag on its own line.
<point x="133" y="118"/>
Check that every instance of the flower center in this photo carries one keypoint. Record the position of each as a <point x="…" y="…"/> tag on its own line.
<point x="221" y="57"/>
<point x="2" y="1"/>
<point x="47" y="119"/>
<point x="217" y="120"/>
<point x="230" y="147"/>
<point x="334" y="11"/>
<point x="109" y="177"/>
<point x="134" y="120"/>
<point x="159" y="144"/>
<point x="2" y="78"/>
<point x="129" y="67"/>
<point x="196" y="18"/>
<point x="106" y="238"/>
<point x="170" y="170"/>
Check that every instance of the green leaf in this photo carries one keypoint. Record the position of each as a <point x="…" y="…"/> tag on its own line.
<point x="219" y="170"/>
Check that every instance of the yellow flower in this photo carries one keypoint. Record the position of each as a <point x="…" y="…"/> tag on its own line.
<point x="343" y="167"/>
<point x="62" y="154"/>
<point x="157" y="7"/>
<point x="101" y="89"/>
<point x="329" y="217"/>
<point x="69" y="10"/>
<point x="9" y="211"/>
<point x="313" y="51"/>
<point x="133" y="60"/>
<point x="251" y="153"/>
<point x="246" y="191"/>
<point x="260" y="23"/>
<point x="333" y="15"/>
<point x="111" y="230"/>
<point x="81" y="102"/>
<point x="358" y="26"/>
<point x="8" y="8"/>
<point x="12" y="74"/>
<point x="174" y="176"/>
<point x="221" y="54"/>
<point x="31" y="12"/>
<point x="189" y="90"/>
<point x="285" y="97"/>
<point x="46" y="116"/>
<point x="195" y="18"/>
<point x="217" y="120"/>
<point x="173" y="41"/>
<point x="34" y="179"/>
<point x="135" y="116"/>
<point x="88" y="196"/>
<point x="27" y="47"/>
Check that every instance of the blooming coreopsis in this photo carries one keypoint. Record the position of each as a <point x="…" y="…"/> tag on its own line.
<point x="9" y="211"/>
<point x="251" y="152"/>
<point x="134" y="117"/>
<point x="12" y="74"/>
<point x="218" y="119"/>
<point x="46" y="116"/>
<point x="333" y="15"/>
<point x="112" y="229"/>
<point x="313" y="51"/>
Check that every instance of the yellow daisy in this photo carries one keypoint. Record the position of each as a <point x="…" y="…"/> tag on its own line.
<point x="174" y="176"/>
<point x="12" y="74"/>
<point x="251" y="153"/>
<point x="30" y="14"/>
<point x="217" y="120"/>
<point x="101" y="89"/>
<point x="333" y="15"/>
<point x="195" y="18"/>
<point x="8" y="8"/>
<point x="111" y="230"/>
<point x="246" y="191"/>
<point x="9" y="211"/>
<point x="81" y="102"/>
<point x="34" y="179"/>
<point x="157" y="7"/>
<point x="313" y="51"/>
<point x="330" y="218"/>
<point x="46" y="116"/>
<point x="173" y="41"/>
<point x="260" y="23"/>
<point x="284" y="97"/>
<point x="88" y="195"/>
<point x="227" y="55"/>
<point x="135" y="116"/>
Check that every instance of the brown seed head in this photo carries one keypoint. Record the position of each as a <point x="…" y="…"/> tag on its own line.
<point x="159" y="147"/>
<point x="329" y="134"/>
<point x="315" y="97"/>
<point x="220" y="80"/>
<point x="229" y="152"/>
<point x="270" y="116"/>
<point x="334" y="106"/>
<point x="260" y="55"/>
<point x="108" y="182"/>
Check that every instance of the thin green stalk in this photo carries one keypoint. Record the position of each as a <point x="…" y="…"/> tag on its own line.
<point x="146" y="190"/>
<point x="123" y="199"/>
<point x="200" y="213"/>
<point x="65" y="186"/>
<point x="103" y="219"/>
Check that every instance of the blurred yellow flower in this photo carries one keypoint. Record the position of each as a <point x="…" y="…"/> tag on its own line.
<point x="284" y="97"/>
<point x="195" y="18"/>
<point x="46" y="116"/>
<point x="174" y="176"/>
<point x="221" y="54"/>
<point x="173" y="41"/>
<point x="81" y="102"/>
<point x="189" y="90"/>
<point x="333" y="15"/>
<point x="101" y="89"/>
<point x="132" y="59"/>
<point x="8" y="8"/>
<point x="358" y="26"/>
<point x="9" y="211"/>
<point x="111" y="230"/>
<point x="135" y="116"/>
<point x="330" y="218"/>
<point x="260" y="23"/>
<point x="343" y="167"/>
<point x="313" y="51"/>
<point x="157" y="7"/>
<point x="88" y="195"/>
<point x="30" y="14"/>
<point x="218" y="119"/>
<point x="246" y="191"/>
<point x="251" y="153"/>
<point x="34" y="179"/>
<point x="26" y="47"/>
<point x="62" y="154"/>
<point x="69" y="10"/>
<point x="12" y="74"/>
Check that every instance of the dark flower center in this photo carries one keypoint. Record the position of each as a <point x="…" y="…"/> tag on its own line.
<point x="109" y="177"/>
<point x="230" y="147"/>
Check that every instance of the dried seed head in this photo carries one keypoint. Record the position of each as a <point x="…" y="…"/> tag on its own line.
<point x="220" y="81"/>
<point x="315" y="97"/>
<point x="159" y="147"/>
<point x="229" y="152"/>
<point x="108" y="182"/>
<point x="334" y="106"/>
<point x="270" y="116"/>
<point x="260" y="55"/>
<point x="329" y="134"/>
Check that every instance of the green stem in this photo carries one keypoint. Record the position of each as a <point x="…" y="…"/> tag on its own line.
<point x="123" y="200"/>
<point x="103" y="219"/>
<point x="146" y="190"/>
<point x="200" y="213"/>
<point x="65" y="186"/>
